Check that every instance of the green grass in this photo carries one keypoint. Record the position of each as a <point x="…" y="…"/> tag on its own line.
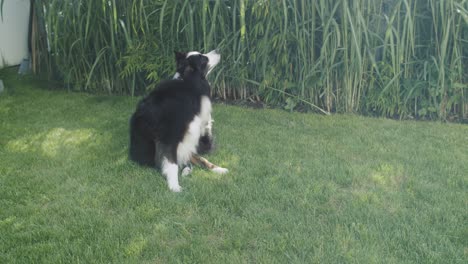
<point x="301" y="189"/>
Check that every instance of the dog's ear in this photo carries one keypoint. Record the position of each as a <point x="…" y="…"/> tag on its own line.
<point x="179" y="55"/>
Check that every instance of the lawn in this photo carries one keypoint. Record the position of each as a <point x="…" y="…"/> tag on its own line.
<point x="302" y="188"/>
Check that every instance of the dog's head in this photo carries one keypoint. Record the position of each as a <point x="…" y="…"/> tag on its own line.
<point x="187" y="62"/>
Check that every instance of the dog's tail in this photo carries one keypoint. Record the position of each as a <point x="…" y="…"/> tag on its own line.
<point x="142" y="147"/>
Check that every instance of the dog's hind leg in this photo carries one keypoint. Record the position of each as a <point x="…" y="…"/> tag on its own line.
<point x="199" y="160"/>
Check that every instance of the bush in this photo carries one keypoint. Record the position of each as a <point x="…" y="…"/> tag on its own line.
<point x="397" y="58"/>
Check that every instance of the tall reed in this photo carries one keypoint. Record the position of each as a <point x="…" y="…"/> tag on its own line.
<point x="397" y="58"/>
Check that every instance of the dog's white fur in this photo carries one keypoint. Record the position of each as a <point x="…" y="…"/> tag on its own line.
<point x="170" y="171"/>
<point x="197" y="128"/>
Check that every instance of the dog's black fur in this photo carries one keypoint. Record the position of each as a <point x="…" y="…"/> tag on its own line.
<point x="162" y="118"/>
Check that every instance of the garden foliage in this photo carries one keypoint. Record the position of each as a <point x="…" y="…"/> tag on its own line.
<point x="396" y="58"/>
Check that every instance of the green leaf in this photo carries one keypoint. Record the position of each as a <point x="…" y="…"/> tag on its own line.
<point x="460" y="85"/>
<point x="291" y="103"/>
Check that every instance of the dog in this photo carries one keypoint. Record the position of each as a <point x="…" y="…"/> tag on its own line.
<point x="173" y="123"/>
<point x="205" y="144"/>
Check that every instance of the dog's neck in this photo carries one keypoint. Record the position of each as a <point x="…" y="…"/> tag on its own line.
<point x="199" y="82"/>
<point x="178" y="76"/>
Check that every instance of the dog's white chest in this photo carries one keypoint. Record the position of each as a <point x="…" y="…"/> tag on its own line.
<point x="188" y="146"/>
<point x="205" y="111"/>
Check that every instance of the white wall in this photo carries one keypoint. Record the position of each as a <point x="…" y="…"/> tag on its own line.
<point x="14" y="32"/>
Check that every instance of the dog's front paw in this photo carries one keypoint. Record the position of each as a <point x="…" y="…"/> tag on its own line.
<point x="186" y="171"/>
<point x="220" y="170"/>
<point x="175" y="188"/>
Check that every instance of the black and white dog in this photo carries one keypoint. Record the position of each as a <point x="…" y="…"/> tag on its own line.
<point x="173" y="122"/>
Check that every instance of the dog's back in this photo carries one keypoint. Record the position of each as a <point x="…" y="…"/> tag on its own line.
<point x="162" y="116"/>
